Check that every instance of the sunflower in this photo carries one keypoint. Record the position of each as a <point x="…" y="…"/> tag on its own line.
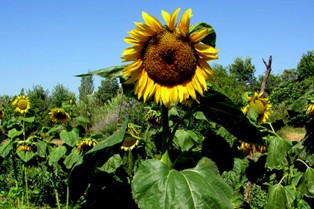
<point x="310" y="109"/>
<point x="21" y="104"/>
<point x="262" y="105"/>
<point x="248" y="148"/>
<point x="168" y="61"/>
<point x="86" y="144"/>
<point x="59" y="115"/>
<point x="129" y="143"/>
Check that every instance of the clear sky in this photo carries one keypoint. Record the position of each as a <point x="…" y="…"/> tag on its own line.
<point x="46" y="42"/>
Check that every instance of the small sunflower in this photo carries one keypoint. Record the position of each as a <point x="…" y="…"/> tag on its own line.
<point x="86" y="144"/>
<point x="262" y="105"/>
<point x="309" y="109"/>
<point x="59" y="115"/>
<point x="246" y="147"/>
<point x="21" y="104"/>
<point x="129" y="143"/>
<point x="1" y="114"/>
<point x="168" y="61"/>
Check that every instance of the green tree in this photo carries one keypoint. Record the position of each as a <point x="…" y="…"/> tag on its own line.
<point x="305" y="67"/>
<point x="40" y="103"/>
<point x="61" y="94"/>
<point x="227" y="84"/>
<point x="243" y="70"/>
<point x="87" y="86"/>
<point x="107" y="90"/>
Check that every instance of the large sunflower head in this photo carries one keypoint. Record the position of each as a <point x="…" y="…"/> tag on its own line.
<point x="169" y="62"/>
<point x="59" y="115"/>
<point x="21" y="104"/>
<point x="262" y="105"/>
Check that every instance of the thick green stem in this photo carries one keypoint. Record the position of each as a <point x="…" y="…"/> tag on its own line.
<point x="165" y="137"/>
<point x="55" y="187"/>
<point x="26" y="185"/>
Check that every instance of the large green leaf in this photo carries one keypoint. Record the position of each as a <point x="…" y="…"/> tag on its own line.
<point x="277" y="197"/>
<point x="70" y="137"/>
<point x="220" y="109"/>
<point x="5" y="148"/>
<point x="25" y="155"/>
<point x="72" y="158"/>
<point x="156" y="186"/>
<point x="109" y="72"/>
<point x="185" y="139"/>
<point x="290" y="192"/>
<point x="112" y="164"/>
<point x="41" y="148"/>
<point x="210" y="39"/>
<point x="56" y="154"/>
<point x="277" y="151"/>
<point x="114" y="139"/>
<point x="29" y="119"/>
<point x="14" y="133"/>
<point x="306" y="185"/>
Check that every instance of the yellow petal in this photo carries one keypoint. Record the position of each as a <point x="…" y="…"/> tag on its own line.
<point x="132" y="53"/>
<point x="166" y="17"/>
<point x="174" y="95"/>
<point x="157" y="93"/>
<point x="201" y="78"/>
<point x="206" y="67"/>
<point x="128" y="70"/>
<point x="135" y="76"/>
<point x="197" y="85"/>
<point x="145" y="28"/>
<point x="191" y="90"/>
<point x="206" y="51"/>
<point x="152" y="22"/>
<point x="165" y="96"/>
<point x="198" y="35"/>
<point x="149" y="89"/>
<point x="184" y="23"/>
<point x="141" y="84"/>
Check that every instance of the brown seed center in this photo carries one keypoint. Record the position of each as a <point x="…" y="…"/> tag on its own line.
<point x="169" y="59"/>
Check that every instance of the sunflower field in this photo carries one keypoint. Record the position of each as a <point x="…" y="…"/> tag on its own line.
<point x="166" y="130"/>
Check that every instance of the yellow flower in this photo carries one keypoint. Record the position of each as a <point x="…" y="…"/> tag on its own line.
<point x="262" y="105"/>
<point x="310" y="109"/>
<point x="248" y="148"/>
<point x="21" y="104"/>
<point x="1" y="114"/>
<point x="59" y="115"/>
<point x="86" y="144"/>
<point x="168" y="62"/>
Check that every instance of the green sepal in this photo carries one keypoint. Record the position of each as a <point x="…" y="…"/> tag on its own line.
<point x="210" y="39"/>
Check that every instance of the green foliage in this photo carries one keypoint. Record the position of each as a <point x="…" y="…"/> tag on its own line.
<point x="107" y="90"/>
<point x="87" y="87"/>
<point x="305" y="67"/>
<point x="61" y="94"/>
<point x="243" y="70"/>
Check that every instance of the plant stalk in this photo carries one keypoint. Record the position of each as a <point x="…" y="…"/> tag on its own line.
<point x="165" y="137"/>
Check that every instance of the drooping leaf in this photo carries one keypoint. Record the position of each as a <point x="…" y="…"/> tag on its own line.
<point x="56" y="154"/>
<point x="185" y="139"/>
<point x="81" y="119"/>
<point x="277" y="151"/>
<point x="114" y="139"/>
<point x="25" y="155"/>
<point x="220" y="109"/>
<point x="72" y="158"/>
<point x="5" y="148"/>
<point x="29" y="119"/>
<point x="109" y="72"/>
<point x="290" y="192"/>
<point x="210" y="39"/>
<point x="306" y="185"/>
<point x="156" y="186"/>
<point x="70" y="137"/>
<point x="41" y="148"/>
<point x="277" y="197"/>
<point x="112" y="164"/>
<point x="14" y="133"/>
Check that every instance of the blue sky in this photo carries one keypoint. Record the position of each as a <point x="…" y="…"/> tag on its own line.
<point x="48" y="42"/>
